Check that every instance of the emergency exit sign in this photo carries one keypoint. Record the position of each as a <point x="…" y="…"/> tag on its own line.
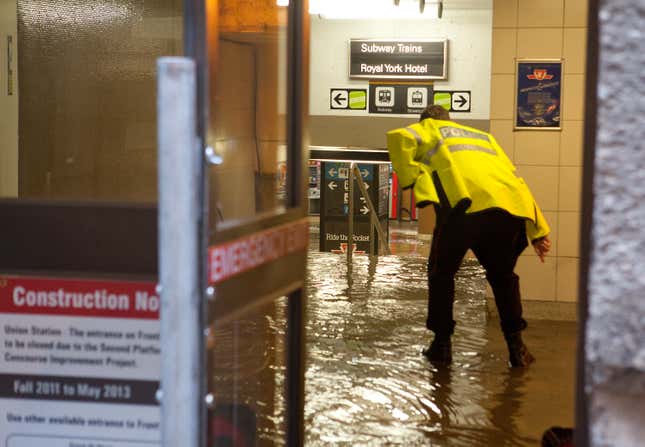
<point x="398" y="59"/>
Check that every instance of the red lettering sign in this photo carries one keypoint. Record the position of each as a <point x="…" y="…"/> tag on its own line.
<point x="539" y="74"/>
<point x="238" y="256"/>
<point x="79" y="297"/>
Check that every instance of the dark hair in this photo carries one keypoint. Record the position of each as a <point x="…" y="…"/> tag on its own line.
<point x="436" y="112"/>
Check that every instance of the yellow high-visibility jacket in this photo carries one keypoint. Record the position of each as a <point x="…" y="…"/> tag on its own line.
<point x="461" y="167"/>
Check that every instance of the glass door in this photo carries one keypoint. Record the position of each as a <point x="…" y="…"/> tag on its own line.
<point x="258" y="229"/>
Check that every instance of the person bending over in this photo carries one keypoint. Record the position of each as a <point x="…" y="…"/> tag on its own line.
<point x="480" y="205"/>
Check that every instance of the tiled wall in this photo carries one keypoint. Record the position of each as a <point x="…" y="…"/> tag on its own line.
<point x="549" y="161"/>
<point x="248" y="127"/>
<point x="234" y="131"/>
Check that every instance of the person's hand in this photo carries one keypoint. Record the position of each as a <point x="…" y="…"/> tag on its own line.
<point x="542" y="247"/>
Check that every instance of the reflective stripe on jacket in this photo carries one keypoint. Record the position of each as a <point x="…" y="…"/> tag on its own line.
<point x="461" y="167"/>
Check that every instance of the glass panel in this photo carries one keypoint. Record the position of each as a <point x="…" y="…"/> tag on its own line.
<point x="247" y="378"/>
<point x="87" y="89"/>
<point x="247" y="58"/>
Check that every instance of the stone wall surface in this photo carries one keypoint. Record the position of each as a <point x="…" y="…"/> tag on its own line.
<point x="615" y="332"/>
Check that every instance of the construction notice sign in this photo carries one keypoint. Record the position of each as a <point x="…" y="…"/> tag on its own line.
<point x="79" y="363"/>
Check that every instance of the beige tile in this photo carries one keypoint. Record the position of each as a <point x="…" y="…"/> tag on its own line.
<point x="541" y="13"/>
<point x="569" y="233"/>
<point x="504" y="13"/>
<point x="537" y="148"/>
<point x="501" y="93"/>
<point x="553" y="219"/>
<point x="236" y="61"/>
<point x="536" y="43"/>
<point x="504" y="47"/>
<point x="543" y="182"/>
<point x="236" y="153"/>
<point x="235" y="123"/>
<point x="241" y="204"/>
<point x="573" y="97"/>
<point x="567" y="279"/>
<point x="272" y="128"/>
<point x="269" y="153"/>
<point x="570" y="188"/>
<point x="427" y="219"/>
<point x="502" y="130"/>
<point x="267" y="56"/>
<point x="571" y="143"/>
<point x="537" y="280"/>
<point x="575" y="12"/>
<point x="574" y="50"/>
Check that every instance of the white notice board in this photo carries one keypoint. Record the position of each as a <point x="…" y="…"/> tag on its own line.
<point x="79" y="363"/>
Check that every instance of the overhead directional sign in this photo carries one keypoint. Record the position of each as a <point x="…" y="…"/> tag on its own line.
<point x="460" y="102"/>
<point x="339" y="99"/>
<point x="453" y="100"/>
<point x="398" y="59"/>
<point x="347" y="98"/>
<point x="399" y="97"/>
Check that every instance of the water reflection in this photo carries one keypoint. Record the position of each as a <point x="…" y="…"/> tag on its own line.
<point x="246" y="377"/>
<point x="366" y="382"/>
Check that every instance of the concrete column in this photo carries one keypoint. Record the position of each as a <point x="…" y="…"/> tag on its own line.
<point x="615" y="331"/>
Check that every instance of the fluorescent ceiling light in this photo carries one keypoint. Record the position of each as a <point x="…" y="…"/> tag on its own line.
<point x="372" y="9"/>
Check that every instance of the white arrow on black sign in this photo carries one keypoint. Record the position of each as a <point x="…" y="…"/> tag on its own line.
<point x="332" y="185"/>
<point x="365" y="172"/>
<point x="365" y="210"/>
<point x="332" y="172"/>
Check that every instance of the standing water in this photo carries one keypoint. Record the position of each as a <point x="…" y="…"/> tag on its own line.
<point x="368" y="384"/>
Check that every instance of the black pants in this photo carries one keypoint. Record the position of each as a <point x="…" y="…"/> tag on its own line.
<point x="497" y="239"/>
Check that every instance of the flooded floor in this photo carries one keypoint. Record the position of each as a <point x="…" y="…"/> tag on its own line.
<point x="368" y="384"/>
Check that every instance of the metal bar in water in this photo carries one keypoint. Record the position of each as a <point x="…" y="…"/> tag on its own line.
<point x="372" y="241"/>
<point x="370" y="205"/>
<point x="350" y="227"/>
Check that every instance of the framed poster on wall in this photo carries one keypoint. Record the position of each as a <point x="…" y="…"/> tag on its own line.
<point x="538" y="94"/>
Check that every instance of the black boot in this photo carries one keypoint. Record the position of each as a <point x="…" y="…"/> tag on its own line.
<point x="440" y="350"/>
<point x="518" y="353"/>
